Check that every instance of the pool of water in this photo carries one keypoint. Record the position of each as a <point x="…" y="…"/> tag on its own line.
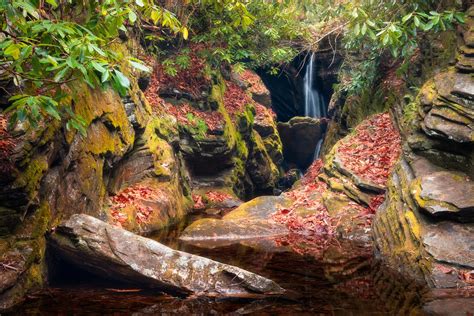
<point x="327" y="285"/>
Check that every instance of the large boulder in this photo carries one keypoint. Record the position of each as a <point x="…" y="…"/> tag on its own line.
<point x="300" y="137"/>
<point x="115" y="253"/>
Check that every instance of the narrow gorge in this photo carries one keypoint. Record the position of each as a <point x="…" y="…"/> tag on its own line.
<point x="237" y="157"/>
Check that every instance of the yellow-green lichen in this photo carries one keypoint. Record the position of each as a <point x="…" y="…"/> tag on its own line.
<point x="32" y="175"/>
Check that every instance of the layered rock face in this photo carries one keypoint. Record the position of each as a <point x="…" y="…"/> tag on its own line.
<point x="425" y="228"/>
<point x="134" y="168"/>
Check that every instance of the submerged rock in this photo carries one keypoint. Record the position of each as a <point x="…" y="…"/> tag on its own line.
<point x="114" y="253"/>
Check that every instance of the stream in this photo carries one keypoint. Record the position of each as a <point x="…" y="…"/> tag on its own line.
<point x="313" y="286"/>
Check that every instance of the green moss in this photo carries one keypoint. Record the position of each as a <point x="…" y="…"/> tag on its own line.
<point x="31" y="177"/>
<point x="163" y="155"/>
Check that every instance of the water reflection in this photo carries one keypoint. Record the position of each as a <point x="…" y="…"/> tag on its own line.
<point x="343" y="280"/>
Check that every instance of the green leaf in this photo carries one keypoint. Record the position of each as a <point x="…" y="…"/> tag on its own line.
<point x="122" y="79"/>
<point x="53" y="3"/>
<point x="363" y="30"/>
<point x="428" y="26"/>
<point x="407" y="17"/>
<point x="98" y="66"/>
<point x="357" y="29"/>
<point x="105" y="76"/>
<point x="417" y="21"/>
<point x="13" y="50"/>
<point x="51" y="109"/>
<point x="132" y="16"/>
<point x="60" y="75"/>
<point x="139" y="66"/>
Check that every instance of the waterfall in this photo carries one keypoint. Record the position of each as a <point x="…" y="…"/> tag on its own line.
<point x="314" y="103"/>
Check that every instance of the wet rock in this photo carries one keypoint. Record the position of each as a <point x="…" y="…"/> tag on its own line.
<point x="300" y="137"/>
<point x="114" y="253"/>
<point x="249" y="220"/>
<point x="445" y="194"/>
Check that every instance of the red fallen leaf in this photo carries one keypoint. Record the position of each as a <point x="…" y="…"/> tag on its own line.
<point x="467" y="276"/>
<point x="198" y="202"/>
<point x="217" y="197"/>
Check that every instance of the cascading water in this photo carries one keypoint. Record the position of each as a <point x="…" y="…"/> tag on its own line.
<point x="314" y="103"/>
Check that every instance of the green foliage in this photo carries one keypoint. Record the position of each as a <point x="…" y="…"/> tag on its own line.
<point x="47" y="49"/>
<point x="197" y="126"/>
<point x="374" y="27"/>
<point x="172" y="65"/>
<point x="257" y="32"/>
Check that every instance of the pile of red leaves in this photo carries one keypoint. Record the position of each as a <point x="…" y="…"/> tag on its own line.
<point x="213" y="120"/>
<point x="211" y="197"/>
<point x="313" y="172"/>
<point x="319" y="223"/>
<point x="217" y="197"/>
<point x="263" y="113"/>
<point x="152" y="91"/>
<point x="7" y="145"/>
<point x="373" y="150"/>
<point x="132" y="196"/>
<point x="191" y="80"/>
<point x="256" y="84"/>
<point x="198" y="202"/>
<point x="235" y="99"/>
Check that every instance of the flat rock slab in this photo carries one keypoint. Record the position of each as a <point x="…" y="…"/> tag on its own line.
<point x="450" y="242"/>
<point x="115" y="253"/>
<point x="248" y="221"/>
<point x="448" y="124"/>
<point x="445" y="194"/>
